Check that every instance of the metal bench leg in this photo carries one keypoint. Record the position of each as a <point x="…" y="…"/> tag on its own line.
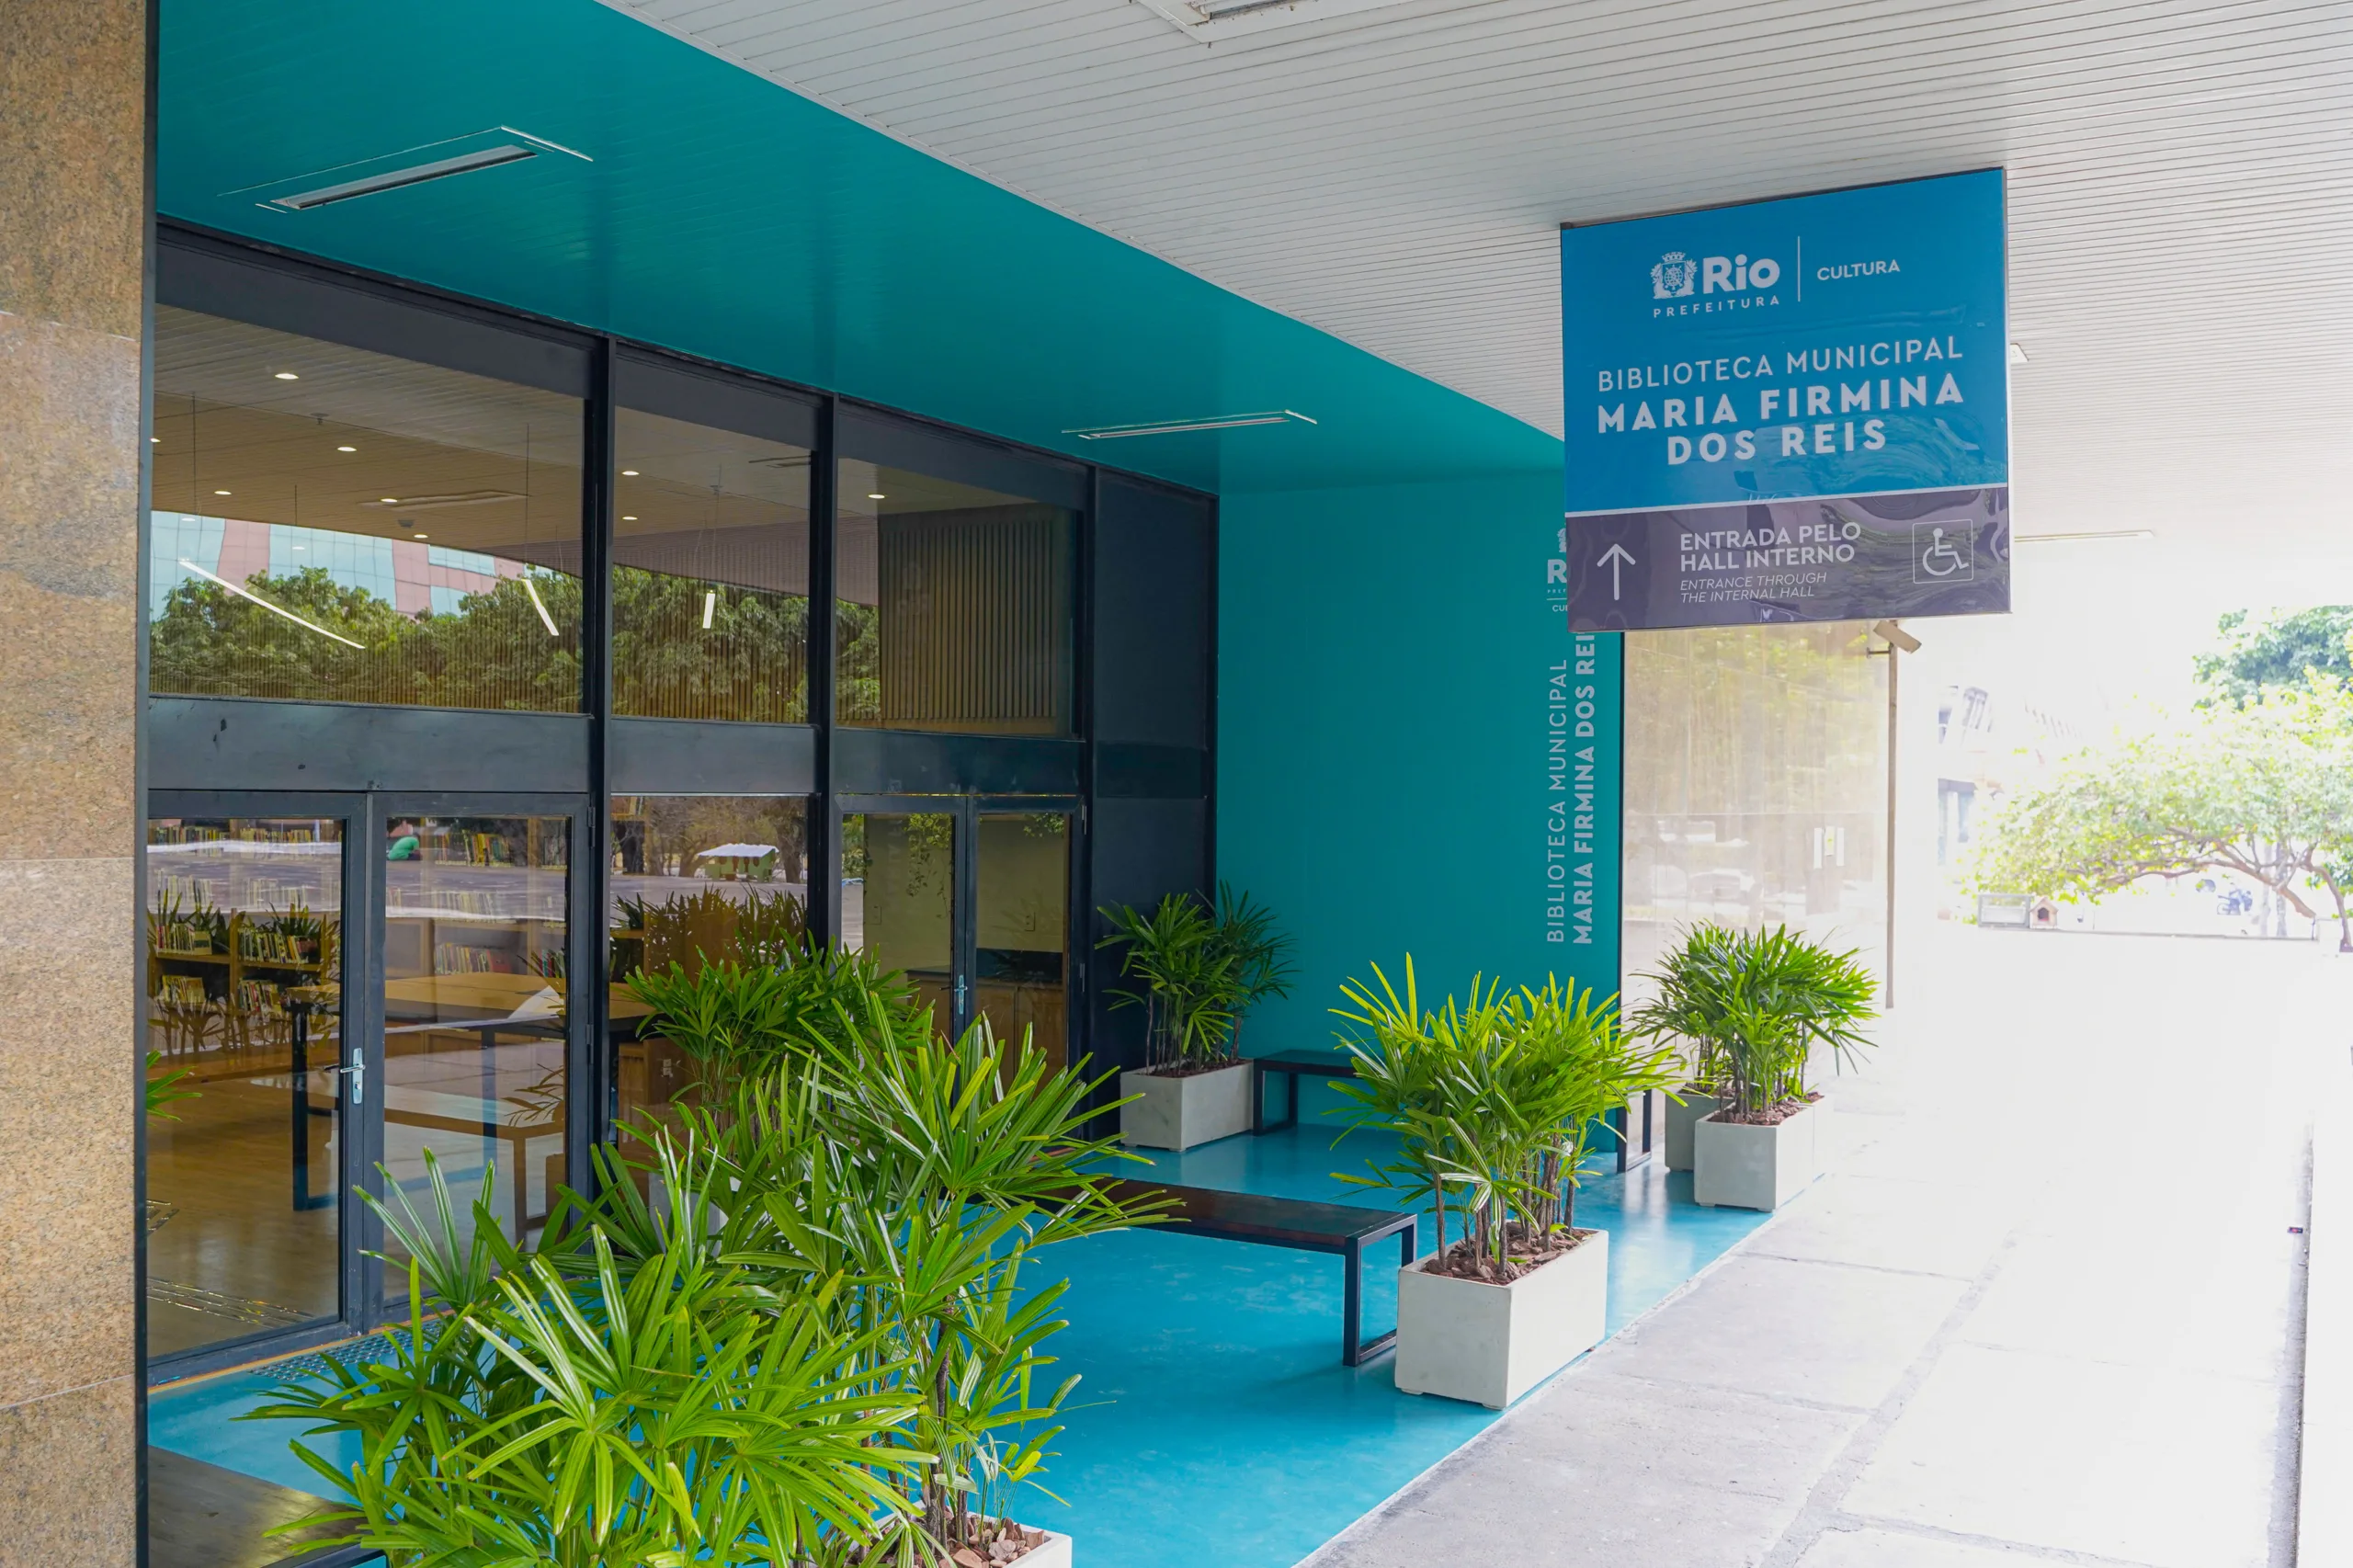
<point x="1352" y="1309"/>
<point x="1258" y="1123"/>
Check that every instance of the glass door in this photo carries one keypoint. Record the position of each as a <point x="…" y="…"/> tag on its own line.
<point x="899" y="876"/>
<point x="248" y="1152"/>
<point x="1020" y="952"/>
<point x="476" y="957"/>
<point x="971" y="898"/>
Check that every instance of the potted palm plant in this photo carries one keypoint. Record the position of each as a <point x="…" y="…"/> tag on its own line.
<point x="1691" y="985"/>
<point x="1766" y="1003"/>
<point x="1196" y="971"/>
<point x="814" y="1345"/>
<point x="1492" y="1101"/>
<point x="596" y="1408"/>
<point x="1259" y="952"/>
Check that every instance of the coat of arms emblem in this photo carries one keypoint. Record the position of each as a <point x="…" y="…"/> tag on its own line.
<point x="1673" y="277"/>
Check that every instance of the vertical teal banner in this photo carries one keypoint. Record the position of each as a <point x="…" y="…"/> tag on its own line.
<point x="1584" y="808"/>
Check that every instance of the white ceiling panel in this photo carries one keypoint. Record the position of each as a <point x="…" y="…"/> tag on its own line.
<point x="2179" y="179"/>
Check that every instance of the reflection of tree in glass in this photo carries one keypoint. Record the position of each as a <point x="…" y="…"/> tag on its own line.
<point x="494" y="650"/>
<point x="749" y="664"/>
<point x="931" y="852"/>
<point x="858" y="673"/>
<point x="678" y="828"/>
<point x="494" y="653"/>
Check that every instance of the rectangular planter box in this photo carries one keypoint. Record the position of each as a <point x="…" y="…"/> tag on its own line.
<point x="1741" y="1166"/>
<point x="1489" y="1344"/>
<point x="1184" y="1113"/>
<point x="1680" y="1120"/>
<point x="1054" y="1554"/>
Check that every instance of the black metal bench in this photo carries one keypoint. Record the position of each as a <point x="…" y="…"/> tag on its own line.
<point x="1301" y="1224"/>
<point x="1291" y="1065"/>
<point x="1637" y="1126"/>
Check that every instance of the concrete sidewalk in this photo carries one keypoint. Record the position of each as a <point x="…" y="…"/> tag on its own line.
<point x="2047" y="1308"/>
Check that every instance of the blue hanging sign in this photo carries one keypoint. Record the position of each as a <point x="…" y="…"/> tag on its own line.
<point x="1793" y="410"/>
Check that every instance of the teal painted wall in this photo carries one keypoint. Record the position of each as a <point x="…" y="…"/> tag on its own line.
<point x="1393" y="667"/>
<point x="724" y="216"/>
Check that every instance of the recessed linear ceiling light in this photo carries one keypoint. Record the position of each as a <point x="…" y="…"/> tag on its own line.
<point x="458" y="498"/>
<point x="2087" y="536"/>
<point x="1179" y="426"/>
<point x="346" y="448"/>
<point x="876" y="495"/>
<point x="435" y="160"/>
<point x="629" y="473"/>
<point x="1209" y="20"/>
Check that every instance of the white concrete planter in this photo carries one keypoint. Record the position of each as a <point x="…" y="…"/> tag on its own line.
<point x="1054" y="1554"/>
<point x="1184" y="1113"/>
<point x="1489" y="1344"/>
<point x="1680" y="1120"/>
<point x="1736" y="1165"/>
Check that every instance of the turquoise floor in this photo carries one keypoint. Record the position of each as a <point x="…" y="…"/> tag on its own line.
<point x="1216" y="1423"/>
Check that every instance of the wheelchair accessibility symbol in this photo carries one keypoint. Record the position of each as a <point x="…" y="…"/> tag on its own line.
<point x="1944" y="552"/>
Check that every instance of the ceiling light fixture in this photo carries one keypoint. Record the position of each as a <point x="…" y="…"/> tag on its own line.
<point x="346" y="448"/>
<point x="455" y="498"/>
<point x="545" y="618"/>
<point x="219" y="493"/>
<point x="1209" y="20"/>
<point x="274" y="609"/>
<point x="629" y="473"/>
<point x="435" y="159"/>
<point x="876" y="495"/>
<point x="420" y="536"/>
<point x="627" y="519"/>
<point x="709" y="604"/>
<point x="154" y="440"/>
<point x="2087" y="535"/>
<point x="287" y="376"/>
<point x="1181" y="427"/>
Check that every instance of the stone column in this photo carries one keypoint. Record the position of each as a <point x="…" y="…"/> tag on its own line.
<point x="72" y="266"/>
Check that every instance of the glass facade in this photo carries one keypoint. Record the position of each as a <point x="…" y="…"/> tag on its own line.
<point x="694" y="880"/>
<point x="1756" y="786"/>
<point x="476" y="1007"/>
<point x="953" y="606"/>
<point x="1021" y="928"/>
<point x="899" y="900"/>
<point x="244" y="1039"/>
<point x="334" y="525"/>
<point x="385" y="680"/>
<point x="710" y="573"/>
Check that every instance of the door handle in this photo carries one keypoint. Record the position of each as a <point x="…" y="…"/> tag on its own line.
<point x="961" y="991"/>
<point x="357" y="1076"/>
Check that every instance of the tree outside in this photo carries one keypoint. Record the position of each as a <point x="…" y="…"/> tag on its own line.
<point x="2255" y="782"/>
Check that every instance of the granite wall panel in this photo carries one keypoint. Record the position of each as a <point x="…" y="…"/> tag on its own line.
<point x="73" y="227"/>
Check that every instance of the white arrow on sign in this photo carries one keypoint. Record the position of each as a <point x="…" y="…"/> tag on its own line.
<point x="1616" y="559"/>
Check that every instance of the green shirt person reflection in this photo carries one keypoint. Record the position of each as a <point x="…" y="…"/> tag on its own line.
<point x="403" y="842"/>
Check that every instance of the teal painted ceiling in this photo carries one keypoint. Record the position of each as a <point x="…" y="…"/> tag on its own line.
<point x="724" y="216"/>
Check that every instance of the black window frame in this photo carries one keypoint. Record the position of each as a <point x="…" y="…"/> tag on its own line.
<point x="1164" y="792"/>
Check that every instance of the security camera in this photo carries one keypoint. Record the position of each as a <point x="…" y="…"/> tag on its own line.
<point x="1896" y="637"/>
